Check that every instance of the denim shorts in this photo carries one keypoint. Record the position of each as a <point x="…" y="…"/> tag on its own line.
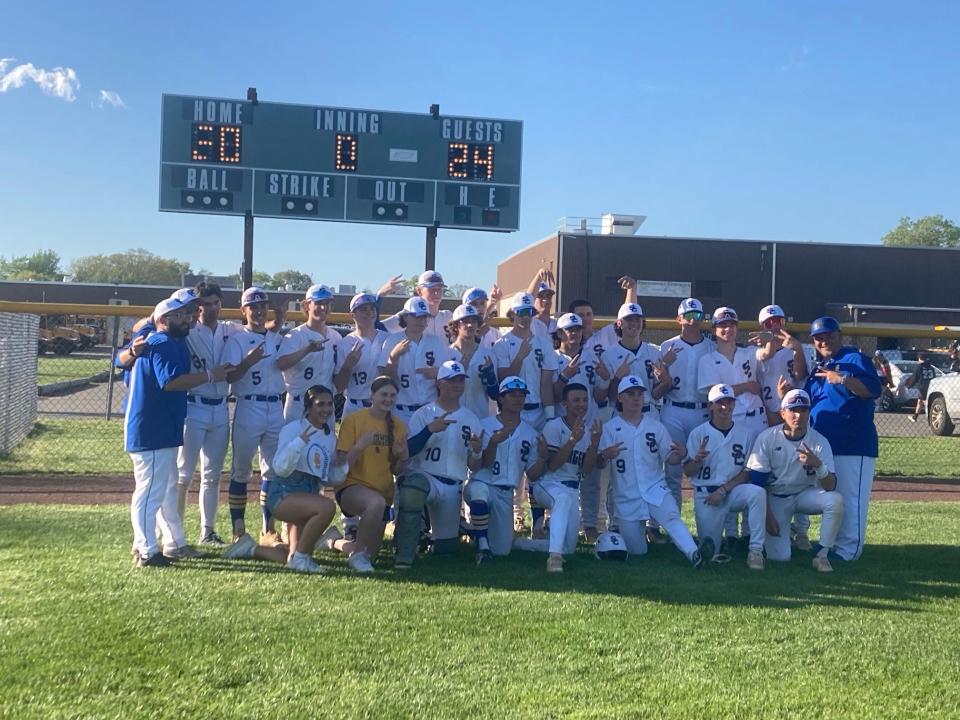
<point x="299" y="482"/>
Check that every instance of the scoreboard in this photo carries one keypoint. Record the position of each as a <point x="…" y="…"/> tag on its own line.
<point x="233" y="157"/>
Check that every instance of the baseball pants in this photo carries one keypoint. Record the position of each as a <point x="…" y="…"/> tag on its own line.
<point x="667" y="515"/>
<point x="350" y="406"/>
<point x="679" y="422"/>
<point x="292" y="407"/>
<point x="499" y="501"/>
<point x="756" y="424"/>
<point x="751" y="499"/>
<point x="854" y="483"/>
<point x="154" y="501"/>
<point x="205" y="435"/>
<point x="443" y="503"/>
<point x="256" y="426"/>
<point x="562" y="501"/>
<point x="812" y="501"/>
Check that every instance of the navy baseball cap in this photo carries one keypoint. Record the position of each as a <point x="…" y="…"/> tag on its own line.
<point x="824" y="324"/>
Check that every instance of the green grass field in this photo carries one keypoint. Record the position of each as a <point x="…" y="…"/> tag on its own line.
<point x="57" y="369"/>
<point x="84" y="635"/>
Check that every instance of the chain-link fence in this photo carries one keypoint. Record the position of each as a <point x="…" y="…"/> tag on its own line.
<point x="79" y="395"/>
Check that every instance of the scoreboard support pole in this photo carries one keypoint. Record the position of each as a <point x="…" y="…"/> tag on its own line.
<point x="431" y="259"/>
<point x="247" y="279"/>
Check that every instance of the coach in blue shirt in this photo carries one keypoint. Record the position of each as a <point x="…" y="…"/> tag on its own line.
<point x="842" y="392"/>
<point x="153" y="429"/>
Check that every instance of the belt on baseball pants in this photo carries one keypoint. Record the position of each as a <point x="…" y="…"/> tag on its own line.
<point x="531" y="406"/>
<point x="688" y="406"/>
<point x="365" y="403"/>
<point x="262" y="398"/>
<point x="708" y="488"/>
<point x="448" y="481"/>
<point x="411" y="408"/>
<point x="204" y="400"/>
<point x="788" y="495"/>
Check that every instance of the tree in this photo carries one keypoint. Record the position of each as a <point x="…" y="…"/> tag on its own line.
<point x="134" y="267"/>
<point x="262" y="279"/>
<point x="42" y="265"/>
<point x="929" y="231"/>
<point x="292" y="279"/>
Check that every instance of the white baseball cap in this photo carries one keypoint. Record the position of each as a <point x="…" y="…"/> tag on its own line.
<point x="718" y="392"/>
<point x="253" y="294"/>
<point x="628" y="309"/>
<point x="568" y="320"/>
<point x="450" y="369"/>
<point x="771" y="311"/>
<point x="512" y="382"/>
<point x="796" y="399"/>
<point x="725" y="314"/>
<point x="690" y="305"/>
<point x="630" y="381"/>
<point x="430" y="278"/>
<point x="544" y="288"/>
<point x="465" y="311"/>
<point x="610" y="546"/>
<point x="167" y="306"/>
<point x="362" y="299"/>
<point x="318" y="293"/>
<point x="521" y="300"/>
<point x="474" y="294"/>
<point x="416" y="306"/>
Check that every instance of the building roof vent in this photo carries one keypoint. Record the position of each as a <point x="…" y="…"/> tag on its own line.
<point x="615" y="224"/>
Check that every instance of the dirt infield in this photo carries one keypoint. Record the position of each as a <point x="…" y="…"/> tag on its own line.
<point x="103" y="490"/>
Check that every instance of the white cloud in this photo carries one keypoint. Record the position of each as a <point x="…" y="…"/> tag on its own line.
<point x="60" y="82"/>
<point x="111" y="98"/>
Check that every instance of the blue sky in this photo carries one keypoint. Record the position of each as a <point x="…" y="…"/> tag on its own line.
<point x="792" y="121"/>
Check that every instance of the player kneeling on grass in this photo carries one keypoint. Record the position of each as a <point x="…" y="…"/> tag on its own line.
<point x="511" y="451"/>
<point x="716" y="465"/>
<point x="571" y="456"/>
<point x="445" y="442"/>
<point x="304" y="461"/>
<point x="639" y="446"/>
<point x="795" y="464"/>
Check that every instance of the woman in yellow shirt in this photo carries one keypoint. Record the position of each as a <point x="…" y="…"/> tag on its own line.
<point x="373" y="442"/>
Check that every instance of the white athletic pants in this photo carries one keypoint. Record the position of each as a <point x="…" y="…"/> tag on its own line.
<point x="679" y="422"/>
<point x="206" y="432"/>
<point x="743" y="497"/>
<point x="812" y="501"/>
<point x="256" y="426"/>
<point x="755" y="424"/>
<point x="562" y="501"/>
<point x="443" y="503"/>
<point x="154" y="501"/>
<point x="854" y="483"/>
<point x="667" y="515"/>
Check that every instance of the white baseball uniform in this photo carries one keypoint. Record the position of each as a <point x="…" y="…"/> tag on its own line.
<point x="357" y="393"/>
<point x="727" y="459"/>
<point x="715" y="369"/>
<point x="475" y="396"/>
<point x="540" y="358"/>
<point x="444" y="461"/>
<point x="436" y="324"/>
<point x="642" y="360"/>
<point x="769" y="373"/>
<point x="791" y="487"/>
<point x="416" y="389"/>
<point x="314" y="368"/>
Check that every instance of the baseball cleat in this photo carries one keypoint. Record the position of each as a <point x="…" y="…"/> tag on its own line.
<point x="656" y="536"/>
<point x="728" y="545"/>
<point x="304" y="565"/>
<point x="330" y="536"/>
<point x="270" y="538"/>
<point x="242" y="548"/>
<point x="183" y="552"/>
<point x="555" y="563"/>
<point x="155" y="560"/>
<point x="484" y="557"/>
<point x="755" y="560"/>
<point x="822" y="564"/>
<point x="801" y="541"/>
<point x="707" y="548"/>
<point x="360" y="562"/>
<point x="590" y="534"/>
<point x="697" y="560"/>
<point x="211" y="539"/>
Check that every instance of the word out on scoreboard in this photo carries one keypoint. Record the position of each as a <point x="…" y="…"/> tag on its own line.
<point x="323" y="163"/>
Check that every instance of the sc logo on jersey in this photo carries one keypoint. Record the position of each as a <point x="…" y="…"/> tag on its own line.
<point x="651" y="439"/>
<point x="739" y="456"/>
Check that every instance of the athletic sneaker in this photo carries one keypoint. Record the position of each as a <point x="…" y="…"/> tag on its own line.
<point x="242" y="548"/>
<point x="155" y="560"/>
<point x="707" y="548"/>
<point x="360" y="562"/>
<point x="270" y="538"/>
<point x="913" y="418"/>
<point x="484" y="557"/>
<point x="656" y="536"/>
<point x="822" y="564"/>
<point x="304" y="564"/>
<point x="801" y="541"/>
<point x="330" y="535"/>
<point x="182" y="552"/>
<point x="755" y="560"/>
<point x="555" y="563"/>
<point x="211" y="539"/>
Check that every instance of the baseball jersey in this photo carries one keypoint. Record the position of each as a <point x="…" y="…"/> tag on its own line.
<point x="154" y="416"/>
<point x="446" y="453"/>
<point x="515" y="455"/>
<point x="264" y="378"/>
<point x="436" y="324"/>
<point x="641" y="361"/>
<point x="728" y="453"/>
<point x="637" y="473"/>
<point x="431" y="351"/>
<point x="586" y="376"/>
<point x="769" y="372"/>
<point x="541" y="357"/>
<point x="314" y="457"/>
<point x="488" y="339"/>
<point x="601" y="339"/>
<point x="715" y="369"/>
<point x="207" y="349"/>
<point x="363" y="373"/>
<point x="776" y="454"/>
<point x="556" y="432"/>
<point x="543" y="330"/>
<point x="684" y="371"/>
<point x="314" y="368"/>
<point x="475" y="396"/>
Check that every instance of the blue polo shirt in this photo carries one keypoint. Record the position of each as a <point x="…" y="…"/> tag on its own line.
<point x="840" y="416"/>
<point x="143" y="331"/>
<point x="154" y="418"/>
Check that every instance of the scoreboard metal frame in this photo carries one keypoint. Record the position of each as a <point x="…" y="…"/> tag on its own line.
<point x="224" y="156"/>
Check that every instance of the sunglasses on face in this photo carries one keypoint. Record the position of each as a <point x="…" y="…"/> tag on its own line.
<point x="771" y="323"/>
<point x="693" y="315"/>
<point x="524" y="312"/>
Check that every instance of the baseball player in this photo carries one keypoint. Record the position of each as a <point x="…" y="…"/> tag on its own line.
<point x="476" y="359"/>
<point x="716" y="465"/>
<point x="445" y="442"/>
<point x="257" y="383"/>
<point x="510" y="451"/>
<point x="358" y="354"/>
<point x="599" y="340"/>
<point x="795" y="464"/>
<point x="843" y="391"/>
<point x="571" y="457"/>
<point x="638" y="446"/>
<point x="412" y="357"/>
<point x="206" y="430"/>
<point x="304" y="461"/>
<point x="486" y="307"/>
<point x="632" y="356"/>
<point x="685" y="405"/>
<point x="430" y="287"/>
<point x="308" y="353"/>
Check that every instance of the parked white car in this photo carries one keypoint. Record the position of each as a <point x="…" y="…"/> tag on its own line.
<point x="943" y="404"/>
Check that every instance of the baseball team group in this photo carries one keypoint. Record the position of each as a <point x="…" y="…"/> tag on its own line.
<point x="452" y="428"/>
